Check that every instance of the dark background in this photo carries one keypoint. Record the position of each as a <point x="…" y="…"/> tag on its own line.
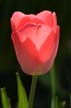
<point x="8" y="62"/>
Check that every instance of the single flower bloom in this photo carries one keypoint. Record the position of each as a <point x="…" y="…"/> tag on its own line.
<point x="35" y="39"/>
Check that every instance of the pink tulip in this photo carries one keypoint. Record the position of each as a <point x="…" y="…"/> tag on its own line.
<point x="35" y="39"/>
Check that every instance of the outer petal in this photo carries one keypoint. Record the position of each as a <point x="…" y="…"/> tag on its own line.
<point x="18" y="20"/>
<point x="48" y="64"/>
<point x="54" y="19"/>
<point x="25" y="20"/>
<point x="47" y="47"/>
<point x="46" y="16"/>
<point x="26" y="53"/>
<point x="57" y="41"/>
<point x="30" y="57"/>
<point x="17" y="46"/>
<point x="15" y="19"/>
<point x="50" y="46"/>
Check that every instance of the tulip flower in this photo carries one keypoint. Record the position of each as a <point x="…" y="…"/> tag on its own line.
<point x="35" y="39"/>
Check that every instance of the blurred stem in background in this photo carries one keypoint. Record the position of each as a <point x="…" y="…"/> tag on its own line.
<point x="53" y="82"/>
<point x="70" y="100"/>
<point x="32" y="91"/>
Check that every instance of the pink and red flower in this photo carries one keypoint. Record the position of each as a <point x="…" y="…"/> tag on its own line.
<point x="35" y="39"/>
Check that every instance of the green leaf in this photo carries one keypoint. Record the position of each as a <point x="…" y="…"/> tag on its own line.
<point x="22" y="97"/>
<point x="5" y="99"/>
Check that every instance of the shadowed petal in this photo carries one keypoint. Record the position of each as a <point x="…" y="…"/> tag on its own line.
<point x="17" y="45"/>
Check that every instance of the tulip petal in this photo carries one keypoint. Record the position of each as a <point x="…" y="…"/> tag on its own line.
<point x="36" y="33"/>
<point x="54" y="20"/>
<point x="47" y="47"/>
<point x="37" y="21"/>
<point x="30" y="57"/>
<point x="17" y="46"/>
<point x="19" y="19"/>
<point x="28" y="20"/>
<point x="25" y="20"/>
<point x="40" y="34"/>
<point x="27" y="54"/>
<point x="16" y="17"/>
<point x="49" y="62"/>
<point x="46" y="17"/>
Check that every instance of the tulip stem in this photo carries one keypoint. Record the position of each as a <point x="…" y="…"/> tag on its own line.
<point x="32" y="91"/>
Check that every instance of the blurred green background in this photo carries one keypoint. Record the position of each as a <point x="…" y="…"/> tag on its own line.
<point x="8" y="62"/>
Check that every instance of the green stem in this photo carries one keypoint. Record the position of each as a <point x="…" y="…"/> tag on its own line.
<point x="32" y="91"/>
